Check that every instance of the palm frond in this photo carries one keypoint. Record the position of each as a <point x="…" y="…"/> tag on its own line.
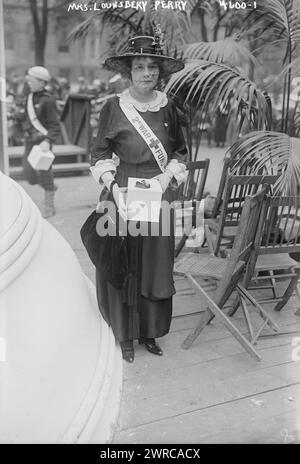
<point x="193" y="5"/>
<point x="294" y="67"/>
<point x="230" y="50"/>
<point x="272" y="152"/>
<point x="202" y="83"/>
<point x="297" y="125"/>
<point x="283" y="17"/>
<point x="81" y="30"/>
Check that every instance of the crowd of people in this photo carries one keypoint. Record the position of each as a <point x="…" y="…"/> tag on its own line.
<point x="218" y="129"/>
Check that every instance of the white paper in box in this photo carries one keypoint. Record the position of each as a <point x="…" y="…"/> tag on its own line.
<point x="39" y="159"/>
<point x="143" y="199"/>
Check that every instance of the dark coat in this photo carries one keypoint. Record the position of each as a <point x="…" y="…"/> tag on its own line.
<point x="46" y="112"/>
<point x="150" y="258"/>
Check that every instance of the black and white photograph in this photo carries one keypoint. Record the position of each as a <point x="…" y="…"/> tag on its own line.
<point x="150" y="225"/>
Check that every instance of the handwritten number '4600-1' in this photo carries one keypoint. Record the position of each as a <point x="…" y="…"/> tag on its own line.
<point x="236" y="5"/>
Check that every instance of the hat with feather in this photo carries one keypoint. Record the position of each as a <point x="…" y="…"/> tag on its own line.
<point x="144" y="46"/>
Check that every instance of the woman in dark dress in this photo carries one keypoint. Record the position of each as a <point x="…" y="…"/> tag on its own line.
<point x="146" y="314"/>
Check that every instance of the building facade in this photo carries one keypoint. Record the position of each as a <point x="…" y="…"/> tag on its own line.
<point x="63" y="58"/>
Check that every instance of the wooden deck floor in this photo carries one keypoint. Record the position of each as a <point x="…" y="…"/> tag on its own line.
<point x="214" y="392"/>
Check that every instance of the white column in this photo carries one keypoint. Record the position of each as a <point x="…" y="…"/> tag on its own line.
<point x="4" y="163"/>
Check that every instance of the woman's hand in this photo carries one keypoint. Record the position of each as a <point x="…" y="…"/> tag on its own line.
<point x="119" y="200"/>
<point x="164" y="180"/>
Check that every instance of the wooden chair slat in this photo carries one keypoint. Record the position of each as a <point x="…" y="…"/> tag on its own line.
<point x="236" y="189"/>
<point x="193" y="189"/>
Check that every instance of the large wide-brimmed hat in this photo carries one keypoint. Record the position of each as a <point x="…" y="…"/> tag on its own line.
<point x="144" y="46"/>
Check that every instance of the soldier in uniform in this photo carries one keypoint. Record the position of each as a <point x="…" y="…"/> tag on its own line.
<point x="41" y="128"/>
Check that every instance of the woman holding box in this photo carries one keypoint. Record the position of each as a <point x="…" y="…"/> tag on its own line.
<point x="141" y="127"/>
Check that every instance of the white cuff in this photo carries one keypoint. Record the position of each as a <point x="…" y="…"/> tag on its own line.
<point x="178" y="170"/>
<point x="102" y="166"/>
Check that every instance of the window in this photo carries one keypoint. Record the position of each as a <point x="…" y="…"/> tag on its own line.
<point x="63" y="48"/>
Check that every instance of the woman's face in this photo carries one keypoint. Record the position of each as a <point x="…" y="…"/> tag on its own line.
<point x="144" y="74"/>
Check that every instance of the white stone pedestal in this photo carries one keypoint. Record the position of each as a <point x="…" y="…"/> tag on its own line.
<point x="60" y="369"/>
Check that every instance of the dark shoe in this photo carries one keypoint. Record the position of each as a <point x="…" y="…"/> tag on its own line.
<point x="127" y="350"/>
<point x="151" y="345"/>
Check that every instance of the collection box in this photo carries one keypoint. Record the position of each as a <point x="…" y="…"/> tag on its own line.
<point x="143" y="199"/>
<point x="40" y="160"/>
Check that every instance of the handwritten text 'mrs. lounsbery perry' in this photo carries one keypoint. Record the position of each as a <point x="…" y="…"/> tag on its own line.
<point x="137" y="5"/>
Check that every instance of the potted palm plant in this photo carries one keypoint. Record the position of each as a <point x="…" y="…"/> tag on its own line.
<point x="213" y="75"/>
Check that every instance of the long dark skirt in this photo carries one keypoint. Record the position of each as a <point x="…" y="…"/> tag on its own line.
<point x="149" y="315"/>
<point x="44" y="178"/>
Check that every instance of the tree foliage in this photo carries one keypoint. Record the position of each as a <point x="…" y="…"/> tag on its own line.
<point x="41" y="12"/>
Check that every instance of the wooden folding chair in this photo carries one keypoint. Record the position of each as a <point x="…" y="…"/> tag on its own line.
<point x="277" y="239"/>
<point x="192" y="190"/>
<point x="236" y="189"/>
<point x="231" y="166"/>
<point x="227" y="272"/>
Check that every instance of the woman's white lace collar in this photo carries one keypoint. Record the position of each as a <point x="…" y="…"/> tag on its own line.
<point x="159" y="101"/>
